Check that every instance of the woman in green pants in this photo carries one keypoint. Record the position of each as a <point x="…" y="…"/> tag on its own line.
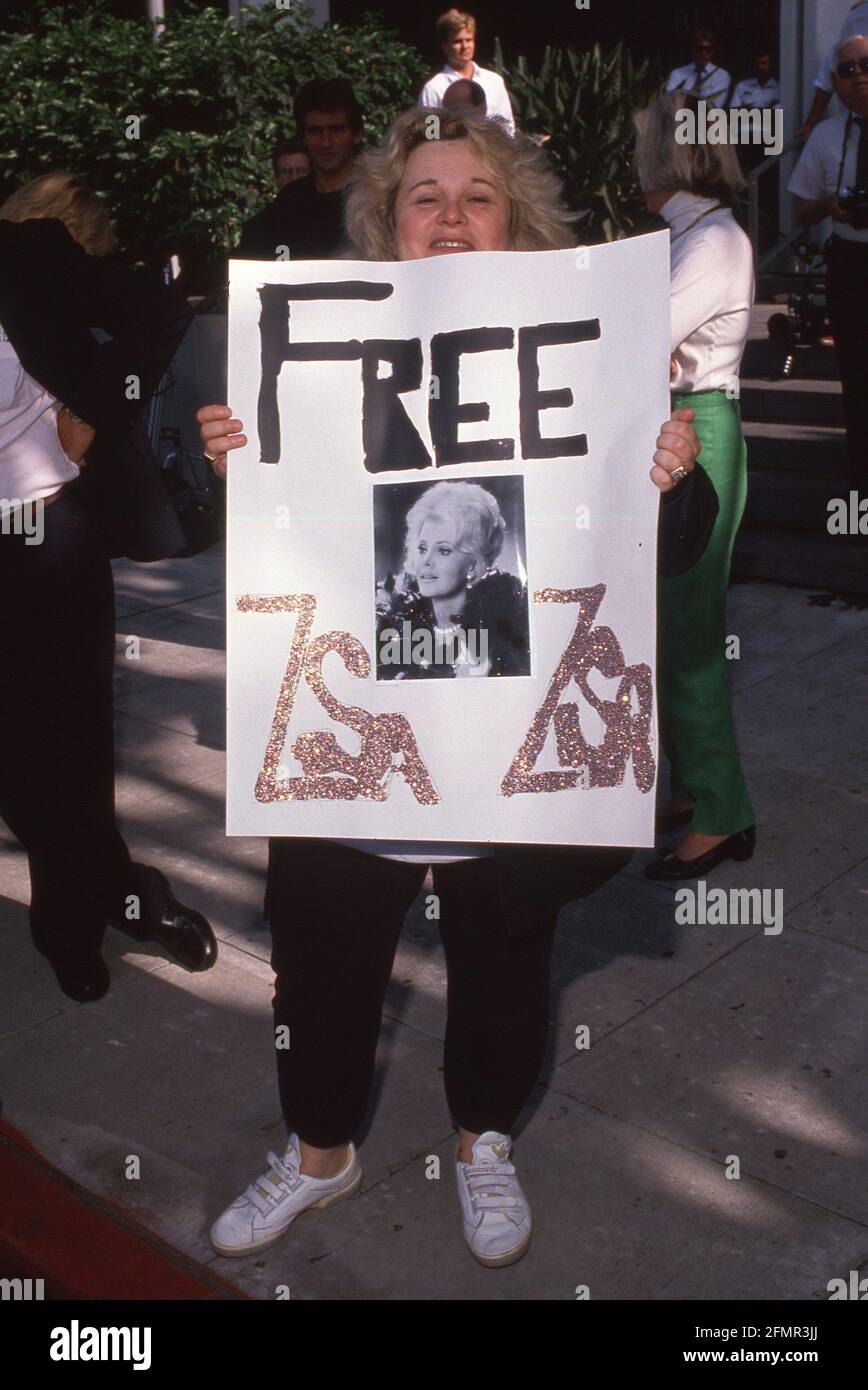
<point x="692" y="185"/>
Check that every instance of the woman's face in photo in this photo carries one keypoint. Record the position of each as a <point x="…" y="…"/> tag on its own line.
<point x="441" y="569"/>
<point x="449" y="201"/>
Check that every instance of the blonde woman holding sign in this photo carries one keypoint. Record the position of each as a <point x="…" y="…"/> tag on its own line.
<point x="337" y="907"/>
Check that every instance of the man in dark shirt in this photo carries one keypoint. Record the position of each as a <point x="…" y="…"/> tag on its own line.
<point x="305" y="220"/>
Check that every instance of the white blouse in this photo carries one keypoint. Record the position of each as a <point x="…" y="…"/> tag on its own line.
<point x="712" y="289"/>
<point x="32" y="463"/>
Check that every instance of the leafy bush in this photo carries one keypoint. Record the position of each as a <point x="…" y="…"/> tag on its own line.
<point x="580" y="106"/>
<point x="212" y="97"/>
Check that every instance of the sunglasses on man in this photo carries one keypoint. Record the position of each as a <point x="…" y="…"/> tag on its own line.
<point x="852" y="66"/>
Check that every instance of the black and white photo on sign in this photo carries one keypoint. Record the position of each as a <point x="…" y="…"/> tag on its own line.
<point x="452" y="587"/>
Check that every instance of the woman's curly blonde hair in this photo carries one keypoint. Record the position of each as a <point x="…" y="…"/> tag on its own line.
<point x="538" y="218"/>
<point x="68" y="198"/>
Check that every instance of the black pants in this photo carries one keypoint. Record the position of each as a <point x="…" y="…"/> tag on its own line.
<point x="336" y="916"/>
<point x="847" y="293"/>
<point x="57" y="765"/>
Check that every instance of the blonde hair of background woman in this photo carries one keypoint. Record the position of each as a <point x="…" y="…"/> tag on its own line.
<point x="67" y="197"/>
<point x="538" y="219"/>
<point x="665" y="166"/>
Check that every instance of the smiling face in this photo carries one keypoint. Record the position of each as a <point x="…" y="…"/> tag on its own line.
<point x="441" y="569"/>
<point x="331" y="141"/>
<point x="449" y="201"/>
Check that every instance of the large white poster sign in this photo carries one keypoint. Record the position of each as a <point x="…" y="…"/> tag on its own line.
<point x="442" y="545"/>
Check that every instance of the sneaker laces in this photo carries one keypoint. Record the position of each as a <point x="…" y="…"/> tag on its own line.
<point x="283" y="1177"/>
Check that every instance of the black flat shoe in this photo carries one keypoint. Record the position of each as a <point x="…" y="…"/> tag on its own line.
<point x="180" y="930"/>
<point x="84" y="980"/>
<point x="669" y="868"/>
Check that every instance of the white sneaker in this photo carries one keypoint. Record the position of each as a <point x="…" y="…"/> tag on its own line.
<point x="260" y="1215"/>
<point x="496" y="1214"/>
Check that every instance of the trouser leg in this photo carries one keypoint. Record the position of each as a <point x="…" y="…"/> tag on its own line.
<point x="336" y="915"/>
<point x="695" y="711"/>
<point x="498" y="987"/>
<point x="57" y="771"/>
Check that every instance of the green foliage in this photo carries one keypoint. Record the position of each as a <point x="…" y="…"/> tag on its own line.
<point x="212" y="95"/>
<point x="580" y="107"/>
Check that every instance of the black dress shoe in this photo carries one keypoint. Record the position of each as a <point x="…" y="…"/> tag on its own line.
<point x="180" y="930"/>
<point x="84" y="980"/>
<point x="669" y="868"/>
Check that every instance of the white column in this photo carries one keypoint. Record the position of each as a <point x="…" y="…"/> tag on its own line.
<point x="808" y="28"/>
<point x="823" y="20"/>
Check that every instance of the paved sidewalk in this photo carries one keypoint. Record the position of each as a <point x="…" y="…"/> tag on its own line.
<point x="707" y="1041"/>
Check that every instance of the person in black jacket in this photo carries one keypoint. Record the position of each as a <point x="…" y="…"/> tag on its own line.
<point x="69" y="458"/>
<point x="305" y="220"/>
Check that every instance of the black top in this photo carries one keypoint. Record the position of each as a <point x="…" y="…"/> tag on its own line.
<point x="310" y="223"/>
<point x="51" y="294"/>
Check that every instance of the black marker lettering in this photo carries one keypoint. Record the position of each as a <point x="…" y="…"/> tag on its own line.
<point x="274" y="323"/>
<point x="446" y="413"/>
<point x="391" y="440"/>
<point x="532" y="400"/>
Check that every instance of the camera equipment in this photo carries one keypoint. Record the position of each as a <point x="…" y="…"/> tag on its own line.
<point x="806" y="321"/>
<point x="854" y="201"/>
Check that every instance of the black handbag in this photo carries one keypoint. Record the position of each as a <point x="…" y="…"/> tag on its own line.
<point x="192" y="489"/>
<point x="194" y="494"/>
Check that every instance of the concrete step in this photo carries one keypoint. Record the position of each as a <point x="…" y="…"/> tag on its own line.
<point x="812" y="363"/>
<point x="787" y="503"/>
<point x="796" y="401"/>
<point x="800" y="449"/>
<point x="837" y="563"/>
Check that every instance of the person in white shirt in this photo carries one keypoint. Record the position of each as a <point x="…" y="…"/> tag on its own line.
<point x="456" y="32"/>
<point x="701" y="78"/>
<point x="762" y="89"/>
<point x="855" y="23"/>
<point x="831" y="180"/>
<point x="712" y="287"/>
<point x="760" y="92"/>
